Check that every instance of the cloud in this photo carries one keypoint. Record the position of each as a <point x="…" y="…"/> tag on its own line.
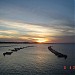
<point x="35" y="29"/>
<point x="5" y="36"/>
<point x="8" y="32"/>
<point x="20" y="25"/>
<point x="26" y="31"/>
<point x="30" y="28"/>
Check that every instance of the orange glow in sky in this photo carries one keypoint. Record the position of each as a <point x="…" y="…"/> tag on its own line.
<point x="41" y="40"/>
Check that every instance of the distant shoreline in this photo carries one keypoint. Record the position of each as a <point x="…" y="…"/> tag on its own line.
<point x="31" y="43"/>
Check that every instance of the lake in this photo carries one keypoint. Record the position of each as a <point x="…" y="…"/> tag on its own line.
<point x="37" y="60"/>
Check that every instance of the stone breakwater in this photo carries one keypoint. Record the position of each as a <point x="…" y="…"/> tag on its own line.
<point x="58" y="54"/>
<point x="15" y="50"/>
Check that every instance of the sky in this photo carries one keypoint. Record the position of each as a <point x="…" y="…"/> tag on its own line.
<point x="37" y="21"/>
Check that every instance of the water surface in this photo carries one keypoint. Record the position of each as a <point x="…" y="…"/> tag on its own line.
<point x="37" y="60"/>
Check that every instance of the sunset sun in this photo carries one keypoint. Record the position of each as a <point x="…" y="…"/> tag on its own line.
<point x="41" y="40"/>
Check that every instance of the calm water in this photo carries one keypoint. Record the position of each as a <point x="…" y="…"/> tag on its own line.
<point x="37" y="60"/>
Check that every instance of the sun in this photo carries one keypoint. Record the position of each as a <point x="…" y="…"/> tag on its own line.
<point x="41" y="40"/>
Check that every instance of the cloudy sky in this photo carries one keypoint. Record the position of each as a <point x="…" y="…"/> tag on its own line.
<point x="37" y="20"/>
